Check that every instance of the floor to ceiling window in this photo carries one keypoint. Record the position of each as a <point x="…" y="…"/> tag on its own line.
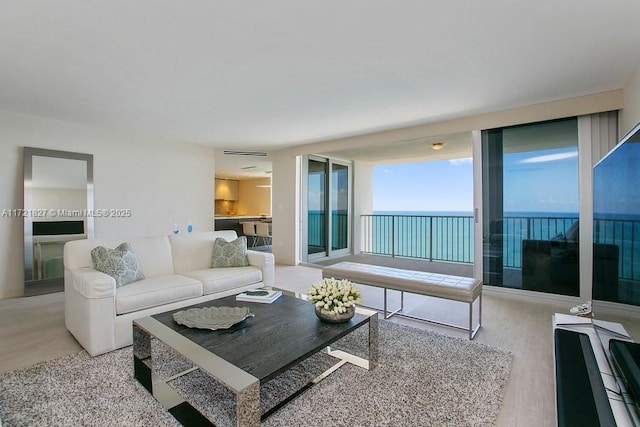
<point x="530" y="203"/>
<point x="328" y="203"/>
<point x="339" y="206"/>
<point x="316" y="207"/>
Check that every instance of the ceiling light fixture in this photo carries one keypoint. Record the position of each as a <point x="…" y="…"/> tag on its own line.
<point x="437" y="145"/>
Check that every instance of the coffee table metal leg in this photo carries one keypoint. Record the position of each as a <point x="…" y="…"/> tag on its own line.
<point x="373" y="341"/>
<point x="369" y="363"/>
<point x="245" y="387"/>
<point x="248" y="406"/>
<point x="142" y="353"/>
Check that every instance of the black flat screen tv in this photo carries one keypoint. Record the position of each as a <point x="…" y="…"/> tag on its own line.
<point x="616" y="228"/>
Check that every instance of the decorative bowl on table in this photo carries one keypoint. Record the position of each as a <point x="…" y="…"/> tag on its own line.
<point x="334" y="299"/>
<point x="212" y="318"/>
<point x="335" y="317"/>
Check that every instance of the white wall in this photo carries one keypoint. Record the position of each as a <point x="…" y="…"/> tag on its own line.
<point x="363" y="200"/>
<point x="631" y="111"/>
<point x="161" y="181"/>
<point x="285" y="227"/>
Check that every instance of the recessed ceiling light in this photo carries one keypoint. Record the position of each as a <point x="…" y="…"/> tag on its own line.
<point x="437" y="145"/>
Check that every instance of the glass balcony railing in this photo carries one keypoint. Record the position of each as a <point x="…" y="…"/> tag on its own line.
<point x="434" y="238"/>
<point x="316" y="235"/>
<point x="519" y="228"/>
<point x="450" y="238"/>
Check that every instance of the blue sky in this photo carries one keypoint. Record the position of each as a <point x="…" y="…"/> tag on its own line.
<point x="441" y="186"/>
<point x="538" y="181"/>
<point x="542" y="181"/>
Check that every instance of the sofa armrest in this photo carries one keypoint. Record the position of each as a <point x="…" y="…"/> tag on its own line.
<point x="260" y="259"/>
<point x="91" y="283"/>
<point x="266" y="262"/>
<point x="90" y="309"/>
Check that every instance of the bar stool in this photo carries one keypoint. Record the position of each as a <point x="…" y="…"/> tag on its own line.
<point x="249" y="230"/>
<point x="262" y="230"/>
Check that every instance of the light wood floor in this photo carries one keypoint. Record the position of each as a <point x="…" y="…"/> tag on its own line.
<point x="33" y="330"/>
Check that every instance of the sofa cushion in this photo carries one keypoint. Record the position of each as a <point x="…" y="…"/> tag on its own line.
<point x="222" y="279"/>
<point x="154" y="255"/>
<point x="156" y="291"/>
<point x="229" y="254"/>
<point x="193" y="251"/>
<point x="77" y="253"/>
<point x="120" y="263"/>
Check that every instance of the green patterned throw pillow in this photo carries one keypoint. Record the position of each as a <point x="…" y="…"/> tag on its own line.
<point x="229" y="254"/>
<point x="120" y="263"/>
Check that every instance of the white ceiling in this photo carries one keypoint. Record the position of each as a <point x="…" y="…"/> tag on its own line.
<point x="454" y="146"/>
<point x="268" y="74"/>
<point x="242" y="166"/>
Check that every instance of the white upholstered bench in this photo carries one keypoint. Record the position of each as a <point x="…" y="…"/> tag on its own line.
<point x="463" y="289"/>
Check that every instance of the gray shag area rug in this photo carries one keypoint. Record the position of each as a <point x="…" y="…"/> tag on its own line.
<point x="422" y="379"/>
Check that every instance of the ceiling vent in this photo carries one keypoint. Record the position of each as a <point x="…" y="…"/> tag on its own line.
<point x="245" y="153"/>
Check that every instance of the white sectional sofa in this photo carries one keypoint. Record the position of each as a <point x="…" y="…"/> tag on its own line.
<point x="177" y="274"/>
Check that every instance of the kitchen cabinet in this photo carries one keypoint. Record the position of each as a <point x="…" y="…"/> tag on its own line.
<point x="226" y="189"/>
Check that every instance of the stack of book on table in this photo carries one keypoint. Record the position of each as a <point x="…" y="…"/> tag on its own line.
<point x="259" y="295"/>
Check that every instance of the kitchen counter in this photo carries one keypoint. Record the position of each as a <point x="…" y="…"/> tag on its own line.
<point x="233" y="222"/>
<point x="255" y="217"/>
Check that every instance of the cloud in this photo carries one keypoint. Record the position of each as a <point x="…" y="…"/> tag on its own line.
<point x="550" y="157"/>
<point x="387" y="171"/>
<point x="460" y="162"/>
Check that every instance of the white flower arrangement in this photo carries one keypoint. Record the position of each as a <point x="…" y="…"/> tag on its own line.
<point x="334" y="295"/>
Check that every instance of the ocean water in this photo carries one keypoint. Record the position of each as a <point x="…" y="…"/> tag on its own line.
<point x="448" y="236"/>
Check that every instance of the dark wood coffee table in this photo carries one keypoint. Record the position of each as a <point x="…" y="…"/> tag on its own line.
<point x="250" y="353"/>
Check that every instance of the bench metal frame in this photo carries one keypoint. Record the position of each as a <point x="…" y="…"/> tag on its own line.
<point x="358" y="276"/>
<point x="399" y="311"/>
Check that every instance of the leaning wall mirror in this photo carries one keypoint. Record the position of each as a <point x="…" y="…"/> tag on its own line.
<point x="58" y="193"/>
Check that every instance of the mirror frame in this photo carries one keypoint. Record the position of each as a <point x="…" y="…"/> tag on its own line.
<point x="34" y="286"/>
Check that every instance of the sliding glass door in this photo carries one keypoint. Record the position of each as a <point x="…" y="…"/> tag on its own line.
<point x="339" y="206"/>
<point x="328" y="211"/>
<point x="317" y="207"/>
<point x="530" y="207"/>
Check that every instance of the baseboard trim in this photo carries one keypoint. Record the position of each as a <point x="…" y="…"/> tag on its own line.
<point x="308" y="264"/>
<point x="532" y="296"/>
<point x="599" y="307"/>
<point x="617" y="309"/>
